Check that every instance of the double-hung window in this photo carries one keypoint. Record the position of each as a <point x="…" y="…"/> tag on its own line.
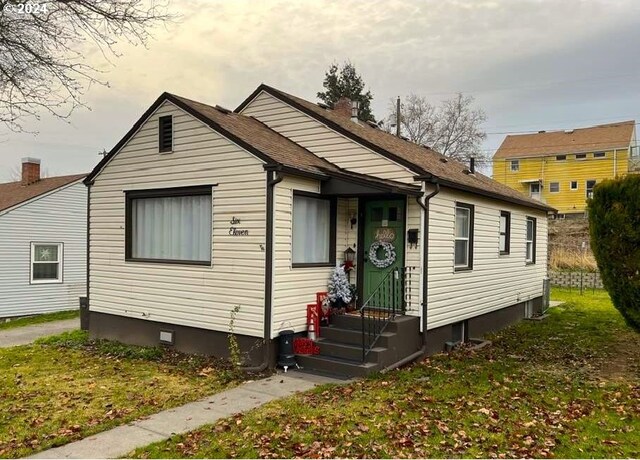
<point x="463" y="257"/>
<point x="169" y="225"/>
<point x="589" y="188"/>
<point x="530" y="257"/>
<point x="515" y="165"/>
<point x="505" y="232"/>
<point x="314" y="236"/>
<point x="46" y="263"/>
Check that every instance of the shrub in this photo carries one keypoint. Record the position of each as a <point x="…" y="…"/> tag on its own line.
<point x="614" y="227"/>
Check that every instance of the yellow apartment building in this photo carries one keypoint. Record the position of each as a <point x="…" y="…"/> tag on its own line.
<point x="560" y="168"/>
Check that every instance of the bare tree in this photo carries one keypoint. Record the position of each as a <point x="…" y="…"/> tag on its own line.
<point x="453" y="128"/>
<point x="42" y="66"/>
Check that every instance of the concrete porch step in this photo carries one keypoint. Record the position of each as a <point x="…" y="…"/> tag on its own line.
<point x="351" y="336"/>
<point x="336" y="366"/>
<point x="347" y="351"/>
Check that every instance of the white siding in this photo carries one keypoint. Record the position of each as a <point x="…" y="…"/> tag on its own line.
<point x="59" y="217"/>
<point x="323" y="141"/>
<point x="294" y="288"/>
<point x="413" y="258"/>
<point x="496" y="281"/>
<point x="198" y="296"/>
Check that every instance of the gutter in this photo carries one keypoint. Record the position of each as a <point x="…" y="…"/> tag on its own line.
<point x="424" y="204"/>
<point x="273" y="178"/>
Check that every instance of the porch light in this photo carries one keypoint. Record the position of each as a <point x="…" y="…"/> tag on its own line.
<point x="349" y="255"/>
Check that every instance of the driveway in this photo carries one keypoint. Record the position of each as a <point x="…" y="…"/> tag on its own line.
<point x="27" y="334"/>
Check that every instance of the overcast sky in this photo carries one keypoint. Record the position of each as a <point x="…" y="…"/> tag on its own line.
<point x="530" y="64"/>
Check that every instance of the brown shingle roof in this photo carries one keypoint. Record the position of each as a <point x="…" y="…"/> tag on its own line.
<point x="257" y="138"/>
<point x="14" y="193"/>
<point x="595" y="138"/>
<point x="421" y="160"/>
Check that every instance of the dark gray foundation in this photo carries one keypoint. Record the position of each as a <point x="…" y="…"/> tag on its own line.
<point x="134" y="331"/>
<point x="478" y="326"/>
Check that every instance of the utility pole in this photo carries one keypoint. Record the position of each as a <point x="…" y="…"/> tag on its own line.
<point x="398" y="117"/>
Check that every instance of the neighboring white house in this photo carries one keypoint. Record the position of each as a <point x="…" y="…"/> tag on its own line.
<point x="43" y="242"/>
<point x="199" y="209"/>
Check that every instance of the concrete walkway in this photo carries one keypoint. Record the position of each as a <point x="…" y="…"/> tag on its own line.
<point x="120" y="441"/>
<point x="555" y="303"/>
<point x="27" y="334"/>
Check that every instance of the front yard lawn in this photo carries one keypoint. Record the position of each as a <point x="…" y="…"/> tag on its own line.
<point x="39" y="319"/>
<point x="568" y="386"/>
<point x="67" y="387"/>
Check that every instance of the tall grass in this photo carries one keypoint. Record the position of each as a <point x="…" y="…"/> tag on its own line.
<point x="571" y="259"/>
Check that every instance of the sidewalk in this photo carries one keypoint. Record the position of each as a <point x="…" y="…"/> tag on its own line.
<point x="123" y="439"/>
<point x="27" y="334"/>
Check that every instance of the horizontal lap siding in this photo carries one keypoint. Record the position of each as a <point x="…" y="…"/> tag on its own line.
<point x="324" y="142"/>
<point x="60" y="217"/>
<point x="496" y="281"/>
<point x="413" y="258"/>
<point x="294" y="288"/>
<point x="180" y="294"/>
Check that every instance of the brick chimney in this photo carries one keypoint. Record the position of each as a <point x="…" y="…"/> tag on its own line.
<point x="343" y="107"/>
<point x="30" y="170"/>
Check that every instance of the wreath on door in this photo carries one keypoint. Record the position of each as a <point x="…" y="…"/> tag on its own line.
<point x="389" y="252"/>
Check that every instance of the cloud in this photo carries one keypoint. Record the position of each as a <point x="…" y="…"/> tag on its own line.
<point x="521" y="59"/>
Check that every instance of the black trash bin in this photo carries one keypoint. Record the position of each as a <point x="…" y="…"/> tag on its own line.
<point x="84" y="313"/>
<point x="286" y="357"/>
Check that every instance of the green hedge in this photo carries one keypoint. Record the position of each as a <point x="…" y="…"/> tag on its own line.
<point x="614" y="227"/>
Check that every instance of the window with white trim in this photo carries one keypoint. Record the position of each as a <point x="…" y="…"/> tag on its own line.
<point x="530" y="257"/>
<point x="554" y="187"/>
<point x="46" y="263"/>
<point x="463" y="257"/>
<point x="599" y="154"/>
<point x="515" y="165"/>
<point x="574" y="185"/>
<point x="589" y="187"/>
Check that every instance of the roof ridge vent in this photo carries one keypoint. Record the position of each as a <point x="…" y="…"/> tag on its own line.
<point x="323" y="106"/>
<point x="569" y="131"/>
<point x="224" y="110"/>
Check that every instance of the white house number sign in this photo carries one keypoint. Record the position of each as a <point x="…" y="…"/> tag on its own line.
<point x="235" y="231"/>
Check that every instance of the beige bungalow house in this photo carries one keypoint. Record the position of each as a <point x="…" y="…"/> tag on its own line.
<point x="199" y="211"/>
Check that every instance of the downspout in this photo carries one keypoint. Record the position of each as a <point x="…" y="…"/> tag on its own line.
<point x="273" y="178"/>
<point x="424" y="204"/>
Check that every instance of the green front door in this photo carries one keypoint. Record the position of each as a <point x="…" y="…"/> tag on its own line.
<point x="383" y="221"/>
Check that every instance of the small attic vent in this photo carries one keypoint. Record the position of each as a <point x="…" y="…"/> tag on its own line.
<point x="444" y="160"/>
<point x="467" y="171"/>
<point x="165" y="134"/>
<point x="323" y="106"/>
<point x="219" y="108"/>
<point x="373" y="124"/>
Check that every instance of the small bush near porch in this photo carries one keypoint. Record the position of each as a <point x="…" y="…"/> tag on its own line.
<point x="66" y="387"/>
<point x="567" y="386"/>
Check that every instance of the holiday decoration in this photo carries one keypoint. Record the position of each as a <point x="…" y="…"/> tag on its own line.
<point x="390" y="254"/>
<point x="339" y="291"/>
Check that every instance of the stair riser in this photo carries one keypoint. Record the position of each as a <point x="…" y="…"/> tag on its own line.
<point x="339" y="351"/>
<point x="355" y="323"/>
<point x="350" y="337"/>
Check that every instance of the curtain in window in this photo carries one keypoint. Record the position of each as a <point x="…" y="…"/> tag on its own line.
<point x="171" y="228"/>
<point x="311" y="230"/>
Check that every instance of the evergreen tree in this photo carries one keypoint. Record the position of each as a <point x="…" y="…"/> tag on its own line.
<point x="339" y="288"/>
<point x="345" y="82"/>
